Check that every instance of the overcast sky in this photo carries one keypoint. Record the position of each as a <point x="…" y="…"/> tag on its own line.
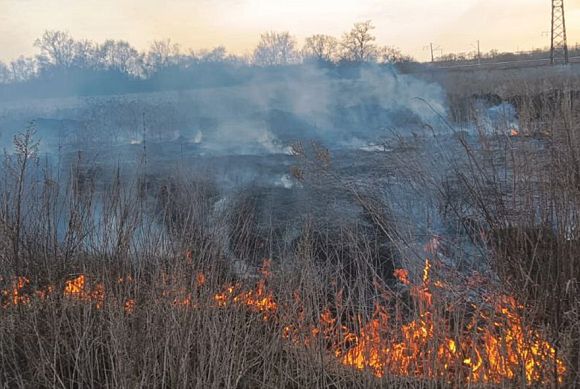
<point x="454" y="25"/>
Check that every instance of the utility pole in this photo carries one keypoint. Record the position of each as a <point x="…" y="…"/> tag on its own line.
<point x="478" y="54"/>
<point x="144" y="141"/>
<point x="559" y="44"/>
<point x="433" y="49"/>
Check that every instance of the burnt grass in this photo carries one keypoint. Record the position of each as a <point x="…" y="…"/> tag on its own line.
<point x="341" y="220"/>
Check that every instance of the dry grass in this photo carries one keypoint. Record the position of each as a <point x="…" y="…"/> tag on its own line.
<point x="518" y="199"/>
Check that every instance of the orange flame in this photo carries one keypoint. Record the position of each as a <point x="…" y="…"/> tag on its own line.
<point x="200" y="278"/>
<point x="495" y="345"/>
<point x="77" y="289"/>
<point x="402" y="275"/>
<point x="492" y="353"/>
<point x="129" y="306"/>
<point x="15" y="295"/>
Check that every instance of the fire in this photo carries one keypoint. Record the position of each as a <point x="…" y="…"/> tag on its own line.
<point x="77" y="289"/>
<point x="129" y="306"/>
<point x="500" y="350"/>
<point x="15" y="295"/>
<point x="200" y="278"/>
<point x="258" y="299"/>
<point x="403" y="276"/>
<point x="18" y="293"/>
<point x="426" y="271"/>
<point x="493" y="345"/>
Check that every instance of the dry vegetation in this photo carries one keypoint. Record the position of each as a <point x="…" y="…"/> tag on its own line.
<point x="96" y="294"/>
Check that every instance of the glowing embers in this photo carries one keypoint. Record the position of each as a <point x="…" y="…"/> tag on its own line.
<point x="19" y="292"/>
<point x="15" y="295"/>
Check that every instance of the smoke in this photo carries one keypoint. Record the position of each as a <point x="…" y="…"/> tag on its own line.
<point x="285" y="181"/>
<point x="197" y="139"/>
<point x="259" y="116"/>
<point x="502" y="118"/>
<point x="241" y="136"/>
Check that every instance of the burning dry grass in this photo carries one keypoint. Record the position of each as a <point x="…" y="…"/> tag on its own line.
<point x="89" y="309"/>
<point x="456" y="341"/>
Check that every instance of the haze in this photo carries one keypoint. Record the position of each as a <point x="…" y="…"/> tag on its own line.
<point x="453" y="25"/>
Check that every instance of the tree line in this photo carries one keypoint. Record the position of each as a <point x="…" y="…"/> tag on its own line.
<point x="60" y="52"/>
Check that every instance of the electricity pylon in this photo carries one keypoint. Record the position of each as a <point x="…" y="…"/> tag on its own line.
<point x="559" y="46"/>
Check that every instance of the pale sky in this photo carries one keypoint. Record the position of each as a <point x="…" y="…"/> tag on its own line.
<point x="454" y="25"/>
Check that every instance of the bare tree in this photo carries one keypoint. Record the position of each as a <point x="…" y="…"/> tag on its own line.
<point x="217" y="54"/>
<point x="321" y="48"/>
<point x="85" y="54"/>
<point x="275" y="48"/>
<point x="389" y="55"/>
<point x="239" y="60"/>
<point x="162" y="54"/>
<point x="119" y="55"/>
<point x="57" y="48"/>
<point x="4" y="73"/>
<point x="357" y="44"/>
<point x="23" y="69"/>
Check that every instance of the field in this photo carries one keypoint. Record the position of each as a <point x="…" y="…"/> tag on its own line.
<point x="435" y="248"/>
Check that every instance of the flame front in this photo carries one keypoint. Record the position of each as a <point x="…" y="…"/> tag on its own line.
<point x="493" y="346"/>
